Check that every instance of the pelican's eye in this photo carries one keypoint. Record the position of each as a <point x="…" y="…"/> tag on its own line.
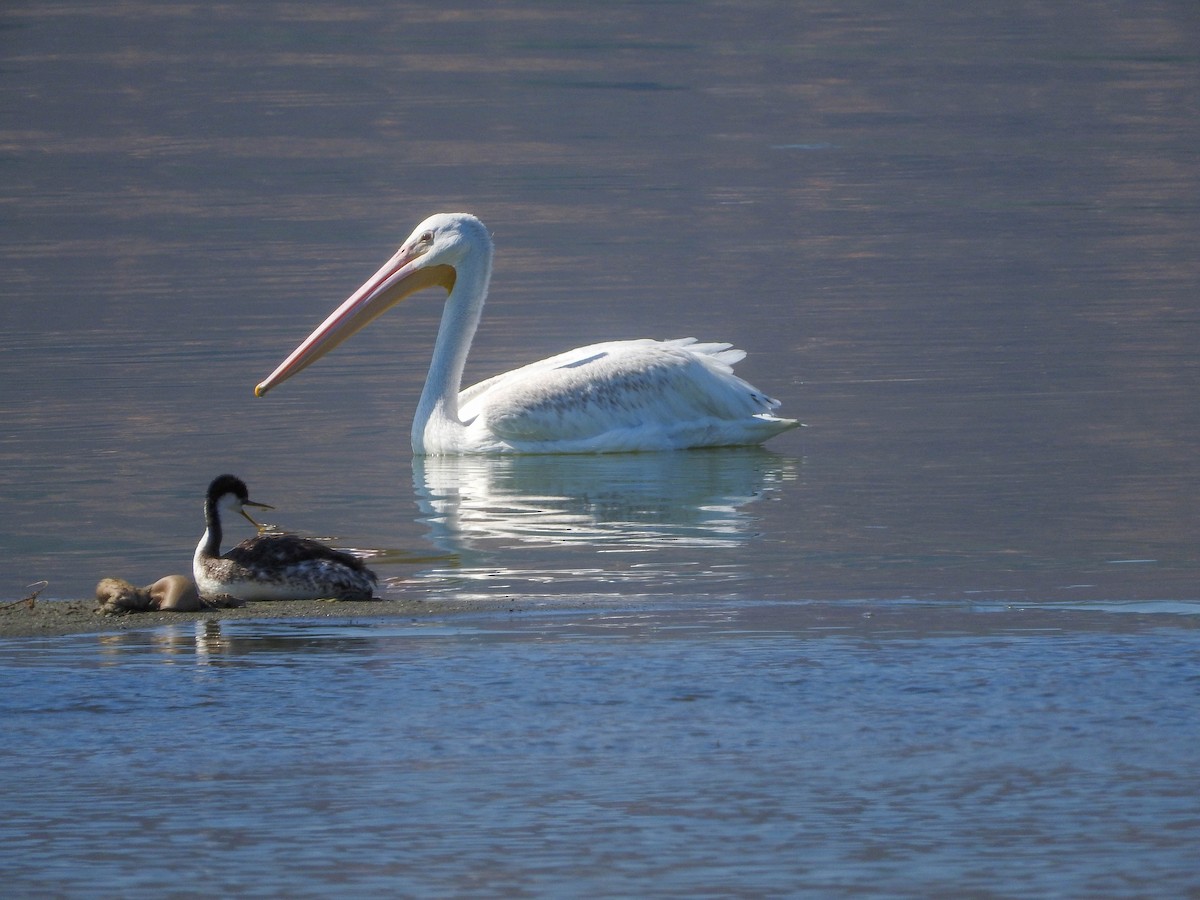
<point x="427" y="238"/>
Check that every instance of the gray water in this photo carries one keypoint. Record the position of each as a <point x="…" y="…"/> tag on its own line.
<point x="958" y="241"/>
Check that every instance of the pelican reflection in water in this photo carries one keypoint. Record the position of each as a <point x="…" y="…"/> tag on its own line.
<point x="639" y="503"/>
<point x="609" y="397"/>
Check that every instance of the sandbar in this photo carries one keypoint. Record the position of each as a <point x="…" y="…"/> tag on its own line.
<point x="50" y="618"/>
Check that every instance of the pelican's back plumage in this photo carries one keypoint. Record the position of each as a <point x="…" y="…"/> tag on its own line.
<point x="624" y="395"/>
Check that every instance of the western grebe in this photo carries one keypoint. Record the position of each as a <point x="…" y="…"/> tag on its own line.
<point x="270" y="566"/>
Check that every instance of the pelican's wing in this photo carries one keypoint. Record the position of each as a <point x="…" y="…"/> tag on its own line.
<point x="643" y="386"/>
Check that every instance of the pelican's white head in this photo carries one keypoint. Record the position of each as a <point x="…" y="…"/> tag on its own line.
<point x="446" y="239"/>
<point x="440" y="251"/>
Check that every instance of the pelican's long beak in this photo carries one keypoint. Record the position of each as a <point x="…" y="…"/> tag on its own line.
<point x="401" y="276"/>
<point x="247" y="515"/>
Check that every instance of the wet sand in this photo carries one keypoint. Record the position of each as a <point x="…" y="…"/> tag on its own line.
<point x="49" y="618"/>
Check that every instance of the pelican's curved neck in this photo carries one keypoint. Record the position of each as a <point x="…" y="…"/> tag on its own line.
<point x="437" y="426"/>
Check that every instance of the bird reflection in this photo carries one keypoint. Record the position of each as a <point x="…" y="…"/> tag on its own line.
<point x="629" y="502"/>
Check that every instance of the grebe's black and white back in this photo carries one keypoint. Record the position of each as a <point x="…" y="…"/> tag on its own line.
<point x="270" y="566"/>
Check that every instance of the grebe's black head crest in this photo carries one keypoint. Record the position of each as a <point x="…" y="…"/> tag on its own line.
<point x="228" y="493"/>
<point x="227" y="484"/>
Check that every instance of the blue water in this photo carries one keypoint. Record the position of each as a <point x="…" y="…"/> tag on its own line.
<point x="733" y="750"/>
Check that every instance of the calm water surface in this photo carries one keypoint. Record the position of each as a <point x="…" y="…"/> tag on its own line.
<point x="736" y="751"/>
<point x="959" y="242"/>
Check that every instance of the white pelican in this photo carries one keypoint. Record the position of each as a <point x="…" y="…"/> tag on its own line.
<point x="270" y="566"/>
<point x="611" y="397"/>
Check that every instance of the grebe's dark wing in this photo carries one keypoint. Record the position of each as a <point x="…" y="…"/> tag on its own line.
<point x="279" y="551"/>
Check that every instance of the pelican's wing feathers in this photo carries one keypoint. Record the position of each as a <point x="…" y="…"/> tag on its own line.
<point x="613" y="386"/>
